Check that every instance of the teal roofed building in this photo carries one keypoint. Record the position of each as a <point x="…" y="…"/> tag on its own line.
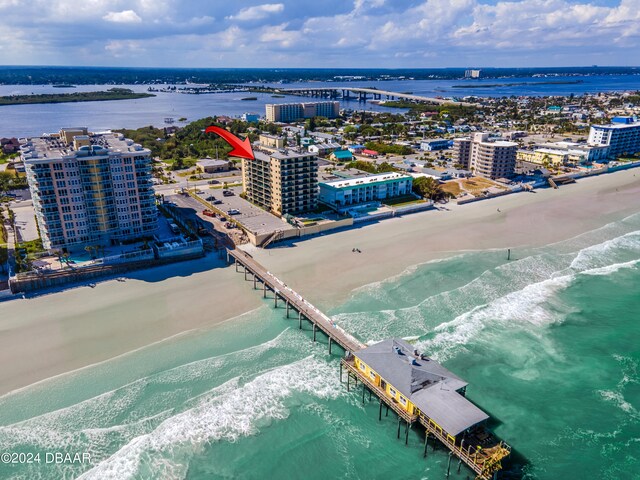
<point x="346" y="193"/>
<point x="341" y="156"/>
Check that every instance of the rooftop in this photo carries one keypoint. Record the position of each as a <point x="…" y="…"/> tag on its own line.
<point x="425" y="382"/>
<point x="280" y="155"/>
<point x="212" y="162"/>
<point x="370" y="179"/>
<point x="52" y="146"/>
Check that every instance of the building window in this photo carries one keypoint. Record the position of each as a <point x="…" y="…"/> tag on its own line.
<point x="392" y="391"/>
<point x="403" y="401"/>
<point x="362" y="366"/>
<point x="372" y="375"/>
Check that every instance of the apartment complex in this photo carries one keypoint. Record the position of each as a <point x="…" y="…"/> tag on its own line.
<point x="89" y="189"/>
<point x="290" y="112"/>
<point x="560" y="153"/>
<point x="622" y="136"/>
<point x="486" y="157"/>
<point x="462" y="151"/>
<point x="345" y="193"/>
<point x="283" y="182"/>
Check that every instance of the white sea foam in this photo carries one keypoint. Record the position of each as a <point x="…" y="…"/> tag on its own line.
<point x="604" y="253"/>
<point x="516" y="309"/>
<point x="165" y="452"/>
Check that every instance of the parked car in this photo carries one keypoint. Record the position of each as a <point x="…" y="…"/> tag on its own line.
<point x="228" y="193"/>
<point x="233" y="211"/>
<point x="210" y="198"/>
<point x="217" y="202"/>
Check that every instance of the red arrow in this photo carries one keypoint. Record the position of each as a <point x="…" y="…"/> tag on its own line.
<point x="241" y="148"/>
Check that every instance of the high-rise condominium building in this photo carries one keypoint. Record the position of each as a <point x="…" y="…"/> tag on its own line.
<point x="89" y="189"/>
<point x="462" y="151"/>
<point x="485" y="157"/>
<point x="622" y="136"/>
<point x="282" y="182"/>
<point x="290" y="112"/>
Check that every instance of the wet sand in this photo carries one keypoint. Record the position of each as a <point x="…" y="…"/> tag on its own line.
<point x="58" y="332"/>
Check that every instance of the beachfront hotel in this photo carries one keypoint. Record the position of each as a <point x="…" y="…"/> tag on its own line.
<point x="622" y="136"/>
<point x="89" y="189"/>
<point x="283" y="182"/>
<point x="350" y="192"/>
<point x="290" y="112"/>
<point x="486" y="157"/>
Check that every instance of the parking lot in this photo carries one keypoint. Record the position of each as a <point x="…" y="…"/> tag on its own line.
<point x="251" y="217"/>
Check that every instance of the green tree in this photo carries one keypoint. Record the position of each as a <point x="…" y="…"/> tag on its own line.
<point x="428" y="187"/>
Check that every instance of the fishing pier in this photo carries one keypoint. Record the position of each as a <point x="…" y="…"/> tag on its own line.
<point x="418" y="389"/>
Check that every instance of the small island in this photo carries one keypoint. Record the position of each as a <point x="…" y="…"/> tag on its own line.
<point x="111" y="94"/>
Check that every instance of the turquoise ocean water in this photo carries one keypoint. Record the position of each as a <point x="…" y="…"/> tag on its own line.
<point x="549" y="342"/>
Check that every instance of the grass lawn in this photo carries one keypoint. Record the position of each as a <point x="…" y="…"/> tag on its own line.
<point x="402" y="201"/>
<point x="32" y="246"/>
<point x="452" y="187"/>
<point x="229" y="185"/>
<point x="477" y="184"/>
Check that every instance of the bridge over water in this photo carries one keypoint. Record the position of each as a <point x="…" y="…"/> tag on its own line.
<point x="363" y="93"/>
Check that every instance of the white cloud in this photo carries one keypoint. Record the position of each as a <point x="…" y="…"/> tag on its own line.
<point x="125" y="16"/>
<point x="385" y="33"/>
<point x="258" y="12"/>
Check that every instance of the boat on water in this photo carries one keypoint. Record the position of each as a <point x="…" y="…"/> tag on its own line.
<point x="249" y="98"/>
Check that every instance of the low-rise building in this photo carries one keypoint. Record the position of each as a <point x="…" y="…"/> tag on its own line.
<point x="250" y="117"/>
<point x="324" y="149"/>
<point x="210" y="165"/>
<point x="345" y="193"/>
<point x="435" y="144"/>
<point x="341" y="156"/>
<point x="420" y="386"/>
<point x="272" y="141"/>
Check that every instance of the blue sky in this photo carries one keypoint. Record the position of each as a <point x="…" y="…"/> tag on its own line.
<point x="320" y="33"/>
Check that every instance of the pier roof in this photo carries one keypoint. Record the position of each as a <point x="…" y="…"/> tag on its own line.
<point x="425" y="382"/>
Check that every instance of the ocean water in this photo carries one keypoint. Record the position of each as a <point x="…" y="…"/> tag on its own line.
<point x="548" y="342"/>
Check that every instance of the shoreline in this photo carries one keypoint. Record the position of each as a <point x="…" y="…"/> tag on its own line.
<point x="391" y="246"/>
<point x="62" y="331"/>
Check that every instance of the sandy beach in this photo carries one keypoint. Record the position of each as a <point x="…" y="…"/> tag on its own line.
<point x="58" y="332"/>
<point x="325" y="269"/>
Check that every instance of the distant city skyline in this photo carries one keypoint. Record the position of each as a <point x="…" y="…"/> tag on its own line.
<point x="330" y="33"/>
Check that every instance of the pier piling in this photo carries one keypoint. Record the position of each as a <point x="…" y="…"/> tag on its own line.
<point x="426" y="444"/>
<point x="314" y="332"/>
<point x="399" y="420"/>
<point x="449" y="464"/>
<point x="380" y="411"/>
